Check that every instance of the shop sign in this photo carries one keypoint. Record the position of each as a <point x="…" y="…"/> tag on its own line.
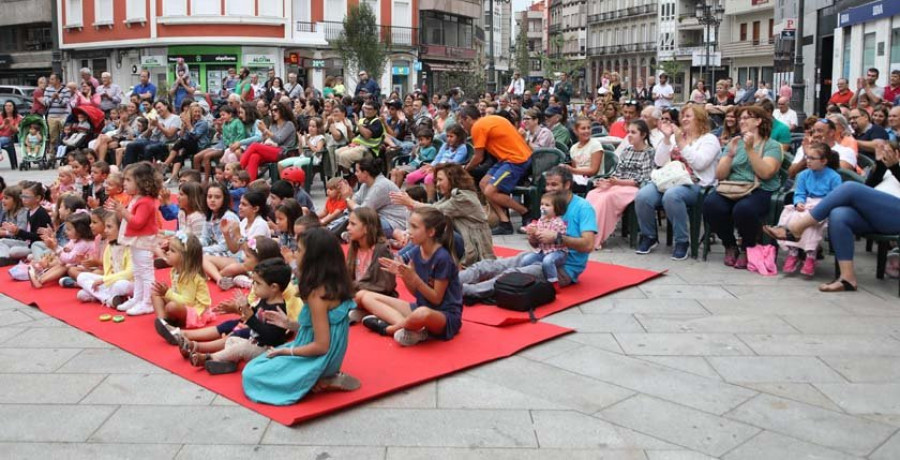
<point x="259" y="60"/>
<point x="153" y="61"/>
<point x="788" y="34"/>
<point x="400" y="70"/>
<point x="207" y="58"/>
<point x="417" y="66"/>
<point x="317" y="63"/>
<point x="868" y="12"/>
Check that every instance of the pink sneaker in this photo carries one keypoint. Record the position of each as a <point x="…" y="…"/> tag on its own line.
<point x="741" y="262"/>
<point x="809" y="266"/>
<point x="730" y="256"/>
<point x="790" y="263"/>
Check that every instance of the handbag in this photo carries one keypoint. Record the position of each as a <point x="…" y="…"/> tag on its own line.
<point x="673" y="174"/>
<point x="735" y="190"/>
<point x="761" y="259"/>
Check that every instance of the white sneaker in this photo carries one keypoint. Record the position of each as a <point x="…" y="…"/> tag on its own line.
<point x="408" y="338"/>
<point x="242" y="281"/>
<point x="126" y="305"/>
<point x="84" y="296"/>
<point x="139" y="309"/>
<point x="356" y="315"/>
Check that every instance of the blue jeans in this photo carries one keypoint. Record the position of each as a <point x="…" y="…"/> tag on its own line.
<point x="856" y="209"/>
<point x="746" y="215"/>
<point x="675" y="201"/>
<point x="551" y="262"/>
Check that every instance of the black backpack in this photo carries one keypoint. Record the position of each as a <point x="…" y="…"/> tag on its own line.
<point x="522" y="292"/>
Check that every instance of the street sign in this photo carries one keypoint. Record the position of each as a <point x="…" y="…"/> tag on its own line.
<point x="788" y="34"/>
<point x="417" y="66"/>
<point x="153" y="61"/>
<point x="699" y="59"/>
<point x="259" y="60"/>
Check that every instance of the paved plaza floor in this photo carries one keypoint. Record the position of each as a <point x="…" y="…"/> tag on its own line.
<point x="705" y="362"/>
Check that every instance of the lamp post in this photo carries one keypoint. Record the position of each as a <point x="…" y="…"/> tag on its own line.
<point x="710" y="16"/>
<point x="798" y="85"/>
<point x="492" y="72"/>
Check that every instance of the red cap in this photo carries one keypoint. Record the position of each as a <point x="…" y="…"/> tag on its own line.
<point x="294" y="174"/>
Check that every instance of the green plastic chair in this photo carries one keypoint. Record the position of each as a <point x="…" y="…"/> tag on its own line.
<point x="531" y="191"/>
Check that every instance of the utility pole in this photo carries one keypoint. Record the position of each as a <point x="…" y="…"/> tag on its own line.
<point x="492" y="73"/>
<point x="798" y="86"/>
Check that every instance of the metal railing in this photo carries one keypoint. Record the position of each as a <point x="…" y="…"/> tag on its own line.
<point x="618" y="49"/>
<point x="395" y="35"/>
<point x="650" y="8"/>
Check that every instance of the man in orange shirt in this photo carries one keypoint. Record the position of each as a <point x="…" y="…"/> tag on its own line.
<point x="498" y="137"/>
<point x="843" y="94"/>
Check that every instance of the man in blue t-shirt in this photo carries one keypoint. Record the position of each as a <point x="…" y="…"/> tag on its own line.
<point x="581" y="227"/>
<point x="146" y="91"/>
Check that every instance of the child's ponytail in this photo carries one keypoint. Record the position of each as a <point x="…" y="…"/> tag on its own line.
<point x="81" y="222"/>
<point x="442" y="225"/>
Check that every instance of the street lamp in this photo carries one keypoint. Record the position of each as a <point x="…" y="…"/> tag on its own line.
<point x="710" y="16"/>
<point x="492" y="72"/>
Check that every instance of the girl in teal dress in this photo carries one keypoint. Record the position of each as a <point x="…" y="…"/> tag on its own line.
<point x="312" y="361"/>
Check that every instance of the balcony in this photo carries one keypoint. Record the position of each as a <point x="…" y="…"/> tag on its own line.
<point x="689" y="21"/>
<point x="624" y="13"/>
<point x="688" y="50"/>
<point x="446" y="52"/>
<point x="554" y="29"/>
<point x="392" y="35"/>
<point x="748" y="49"/>
<point x="622" y="49"/>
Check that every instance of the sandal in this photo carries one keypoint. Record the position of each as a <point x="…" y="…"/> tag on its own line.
<point x="187" y="348"/>
<point x="845" y="286"/>
<point x="773" y="232"/>
<point x="199" y="359"/>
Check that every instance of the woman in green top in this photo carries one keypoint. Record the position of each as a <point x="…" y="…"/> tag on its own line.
<point x="244" y="88"/>
<point x="751" y="158"/>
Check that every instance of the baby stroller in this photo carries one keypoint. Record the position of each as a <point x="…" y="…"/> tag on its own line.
<point x="95" y="118"/>
<point x="36" y="158"/>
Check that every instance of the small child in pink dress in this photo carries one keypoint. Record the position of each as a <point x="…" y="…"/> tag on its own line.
<point x="551" y="256"/>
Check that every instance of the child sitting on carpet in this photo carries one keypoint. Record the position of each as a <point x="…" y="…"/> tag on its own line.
<point x="114" y="190"/>
<point x="94" y="261"/>
<point x="367" y="247"/>
<point x="432" y="275"/>
<point x="116" y="283"/>
<point x="191" y="219"/>
<point x="218" y="208"/>
<point x="550" y="256"/>
<point x="239" y="182"/>
<point x="285" y="215"/>
<point x="222" y="270"/>
<point x="187" y="303"/>
<point x="335" y="205"/>
<point x="53" y="266"/>
<point x="18" y="237"/>
<point x="270" y="279"/>
<point x="312" y="361"/>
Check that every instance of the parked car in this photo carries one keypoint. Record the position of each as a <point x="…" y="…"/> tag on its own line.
<point x="26" y="91"/>
<point x="23" y="103"/>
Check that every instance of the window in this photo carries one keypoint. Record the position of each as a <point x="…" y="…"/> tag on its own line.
<point x="103" y="11"/>
<point x="771" y="31"/>
<point x="97" y="66"/>
<point x="376" y="9"/>
<point x="136" y="9"/>
<point x="536" y="65"/>
<point x="845" y="67"/>
<point x="868" y="59"/>
<point x="206" y="7"/>
<point x="895" y="48"/>
<point x="239" y="7"/>
<point x="175" y="8"/>
<point x="73" y="12"/>
<point x="302" y="10"/>
<point x="744" y="32"/>
<point x="755" y="32"/>
<point x="270" y="8"/>
<point x="335" y="10"/>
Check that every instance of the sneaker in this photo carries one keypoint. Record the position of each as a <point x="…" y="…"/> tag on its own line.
<point x="139" y="309"/>
<point x="646" y="245"/>
<point x="126" y="305"/>
<point x="375" y="324"/>
<point x="809" y="266"/>
<point x="242" y="281"/>
<point x="84" y="296"/>
<point x="730" y="256"/>
<point x="681" y="251"/>
<point x="67" y="282"/>
<point x="741" y="262"/>
<point x="564" y="278"/>
<point x="408" y="338"/>
<point x="503" y="228"/>
<point x="225" y="283"/>
<point x="356" y="315"/>
<point x="117" y="300"/>
<point x="790" y="263"/>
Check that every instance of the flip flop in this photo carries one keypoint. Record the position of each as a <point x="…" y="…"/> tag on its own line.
<point x="844" y="287"/>
<point x="788" y="236"/>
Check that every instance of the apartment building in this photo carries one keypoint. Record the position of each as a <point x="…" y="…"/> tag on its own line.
<point x="622" y="38"/>
<point x="533" y="22"/>
<point x="26" y="41"/>
<point x="748" y="40"/>
<point x="567" y="36"/>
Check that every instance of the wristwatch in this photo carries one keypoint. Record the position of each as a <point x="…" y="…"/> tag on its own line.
<point x="559" y="238"/>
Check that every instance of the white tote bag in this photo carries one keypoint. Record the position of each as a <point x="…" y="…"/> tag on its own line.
<point x="673" y="174"/>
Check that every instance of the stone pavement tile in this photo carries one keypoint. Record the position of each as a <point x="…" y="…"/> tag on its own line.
<point x="149" y="389"/>
<point x="109" y="361"/>
<point x="538" y="380"/>
<point x="48" y="322"/>
<point x="774" y="369"/>
<point x="688" y="389"/>
<point x="44" y="423"/>
<point x="8" y="303"/>
<point x="14" y="360"/>
<point x="864" y="398"/>
<point x="201" y="452"/>
<point x="773" y="446"/>
<point x="6" y="333"/>
<point x="602" y="341"/>
<point x="220" y="400"/>
<point x="721" y="275"/>
<point x="693" y="364"/>
<point x="772" y="307"/>
<point x="630" y="293"/>
<point x="430" y="453"/>
<point x="868" y="325"/>
<point x="800" y="392"/>
<point x="680" y="425"/>
<point x="33" y="312"/>
<point x="673" y="344"/>
<point x="883" y="307"/>
<point x="422" y="396"/>
<point x="603" y="306"/>
<point x="13" y="317"/>
<point x="889" y="450"/>
<point x="566" y="429"/>
<point x="747" y="324"/>
<point x="71" y="451"/>
<point x="46" y="388"/>
<point x="821" y="345"/>
<point x="411" y="427"/>
<point x="801" y="292"/>
<point x="182" y="424"/>
<point x="685" y="291"/>
<point x="547" y="350"/>
<point x="814" y="424"/>
<point x="50" y="337"/>
<point x="595" y="323"/>
<point x="866" y="369"/>
<point x="676" y="455"/>
<point x="888" y="419"/>
<point x="468" y="392"/>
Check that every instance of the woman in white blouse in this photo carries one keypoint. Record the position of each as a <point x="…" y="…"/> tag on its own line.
<point x="694" y="146"/>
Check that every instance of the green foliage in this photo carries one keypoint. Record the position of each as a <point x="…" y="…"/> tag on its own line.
<point x="522" y="57"/>
<point x="672" y="68"/>
<point x="556" y="61"/>
<point x="469" y="77"/>
<point x="361" y="44"/>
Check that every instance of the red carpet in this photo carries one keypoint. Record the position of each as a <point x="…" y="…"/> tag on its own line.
<point x="381" y="365"/>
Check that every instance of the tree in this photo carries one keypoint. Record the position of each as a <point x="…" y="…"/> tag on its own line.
<point x="361" y="44"/>
<point x="468" y="77"/>
<point x="555" y="61"/>
<point x="522" y="58"/>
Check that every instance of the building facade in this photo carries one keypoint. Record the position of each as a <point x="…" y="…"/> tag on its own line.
<point x="567" y="36"/>
<point x="681" y="37"/>
<point x="502" y="25"/>
<point x="533" y="22"/>
<point x="123" y="37"/>
<point x="451" y="36"/>
<point x="748" y="40"/>
<point x="622" y="38"/>
<point x="26" y="41"/>
<point x="866" y="36"/>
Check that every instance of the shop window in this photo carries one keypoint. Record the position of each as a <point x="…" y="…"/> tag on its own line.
<point x="270" y="8"/>
<point x="136" y="9"/>
<point x="97" y="66"/>
<point x="206" y="7"/>
<point x="895" y="49"/>
<point x="868" y="59"/>
<point x="175" y="8"/>
<point x="73" y="12"/>
<point x="103" y="11"/>
<point x="239" y="7"/>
